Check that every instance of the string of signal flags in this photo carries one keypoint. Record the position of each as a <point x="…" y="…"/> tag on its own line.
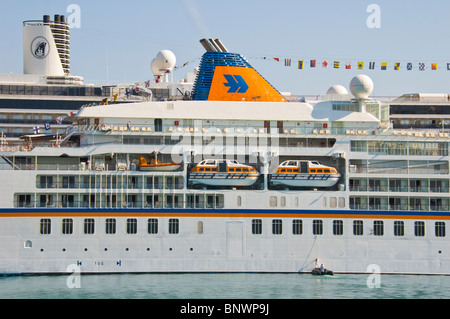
<point x="361" y="65"/>
<point x="349" y="65"/>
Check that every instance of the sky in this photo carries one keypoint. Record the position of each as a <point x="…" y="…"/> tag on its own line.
<point x="116" y="41"/>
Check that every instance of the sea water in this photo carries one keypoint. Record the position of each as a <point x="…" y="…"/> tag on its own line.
<point x="224" y="286"/>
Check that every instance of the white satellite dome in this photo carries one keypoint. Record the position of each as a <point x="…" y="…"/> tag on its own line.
<point x="361" y="86"/>
<point x="337" y="90"/>
<point x="165" y="60"/>
<point x="155" y="69"/>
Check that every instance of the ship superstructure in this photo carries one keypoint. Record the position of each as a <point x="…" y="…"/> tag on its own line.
<point x="253" y="183"/>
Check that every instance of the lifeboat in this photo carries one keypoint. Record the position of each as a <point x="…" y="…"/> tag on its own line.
<point x="156" y="166"/>
<point x="305" y="174"/>
<point x="223" y="173"/>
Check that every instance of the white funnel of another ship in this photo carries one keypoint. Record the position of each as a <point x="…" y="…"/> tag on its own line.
<point x="46" y="47"/>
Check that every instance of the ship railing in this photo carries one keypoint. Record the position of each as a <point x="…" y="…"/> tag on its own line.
<point x="126" y="128"/>
<point x="400" y="207"/>
<point x="394" y="170"/>
<point x="399" y="189"/>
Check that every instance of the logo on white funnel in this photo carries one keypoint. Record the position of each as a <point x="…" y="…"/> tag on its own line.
<point x="40" y="48"/>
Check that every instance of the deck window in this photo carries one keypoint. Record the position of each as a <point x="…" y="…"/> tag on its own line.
<point x="174" y="226"/>
<point x="358" y="227"/>
<point x="152" y="226"/>
<point x="131" y="226"/>
<point x="439" y="229"/>
<point x="89" y="225"/>
<point x="399" y="228"/>
<point x="277" y="226"/>
<point x="317" y="227"/>
<point x="378" y="228"/>
<point x="110" y="226"/>
<point x="256" y="226"/>
<point x="338" y="227"/>
<point x="297" y="226"/>
<point x="67" y="226"/>
<point x="45" y="226"/>
<point x="419" y="228"/>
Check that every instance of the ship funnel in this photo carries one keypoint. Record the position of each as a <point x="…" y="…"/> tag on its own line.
<point x="213" y="45"/>
<point x="221" y="46"/>
<point x="46" y="46"/>
<point x="208" y="46"/>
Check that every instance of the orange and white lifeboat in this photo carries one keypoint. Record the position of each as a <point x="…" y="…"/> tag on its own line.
<point x="223" y="173"/>
<point x="155" y="165"/>
<point x="298" y="173"/>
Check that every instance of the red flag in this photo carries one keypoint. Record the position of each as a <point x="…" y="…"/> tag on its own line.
<point x="277" y="59"/>
<point x="325" y="63"/>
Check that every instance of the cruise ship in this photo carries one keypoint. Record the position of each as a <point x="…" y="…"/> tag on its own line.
<point x="238" y="178"/>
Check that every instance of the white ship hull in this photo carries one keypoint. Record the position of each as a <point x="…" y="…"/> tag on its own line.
<point x="226" y="245"/>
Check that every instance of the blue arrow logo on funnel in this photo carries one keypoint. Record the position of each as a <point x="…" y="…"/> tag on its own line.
<point x="236" y="83"/>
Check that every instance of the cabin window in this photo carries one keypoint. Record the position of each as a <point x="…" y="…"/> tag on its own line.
<point x="110" y="226"/>
<point x="332" y="202"/>
<point x="338" y="227"/>
<point x="378" y="228"/>
<point x="341" y="202"/>
<point x="239" y="201"/>
<point x="238" y="169"/>
<point x="283" y="201"/>
<point x="45" y="226"/>
<point x="358" y="227"/>
<point x="89" y="225"/>
<point x="131" y="226"/>
<point x="152" y="224"/>
<point x="174" y="226"/>
<point x="256" y="226"/>
<point x="439" y="229"/>
<point x="399" y="228"/>
<point x="200" y="227"/>
<point x="67" y="226"/>
<point x="312" y="170"/>
<point x="326" y="170"/>
<point x="419" y="229"/>
<point x="273" y="201"/>
<point x="317" y="227"/>
<point x="245" y="169"/>
<point x="297" y="227"/>
<point x="231" y="169"/>
<point x="277" y="226"/>
<point x="201" y="169"/>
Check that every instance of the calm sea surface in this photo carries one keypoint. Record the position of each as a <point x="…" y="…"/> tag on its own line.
<point x="224" y="286"/>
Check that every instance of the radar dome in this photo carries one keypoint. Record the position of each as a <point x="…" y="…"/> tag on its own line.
<point x="165" y="60"/>
<point x="155" y="69"/>
<point x="361" y="86"/>
<point x="337" y="90"/>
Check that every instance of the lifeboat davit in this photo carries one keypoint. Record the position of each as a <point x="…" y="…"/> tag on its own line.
<point x="156" y="166"/>
<point x="223" y="173"/>
<point x="305" y="174"/>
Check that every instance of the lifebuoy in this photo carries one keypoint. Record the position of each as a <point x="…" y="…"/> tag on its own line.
<point x="102" y="126"/>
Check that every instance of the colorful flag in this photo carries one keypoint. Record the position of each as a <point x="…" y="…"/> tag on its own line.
<point x="448" y="66"/>
<point x="300" y="64"/>
<point x="383" y="65"/>
<point x="336" y="64"/>
<point x="421" y="66"/>
<point x="409" y="66"/>
<point x="287" y="62"/>
<point x="185" y="63"/>
<point x="312" y="63"/>
<point x="36" y="130"/>
<point x="371" y="65"/>
<point x="47" y="126"/>
<point x="115" y="96"/>
<point x="325" y="63"/>
<point x="434" y="66"/>
<point x="59" y="120"/>
<point x="348" y="65"/>
<point x="360" y="65"/>
<point x="104" y="102"/>
<point x="277" y="59"/>
<point x="397" y="66"/>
